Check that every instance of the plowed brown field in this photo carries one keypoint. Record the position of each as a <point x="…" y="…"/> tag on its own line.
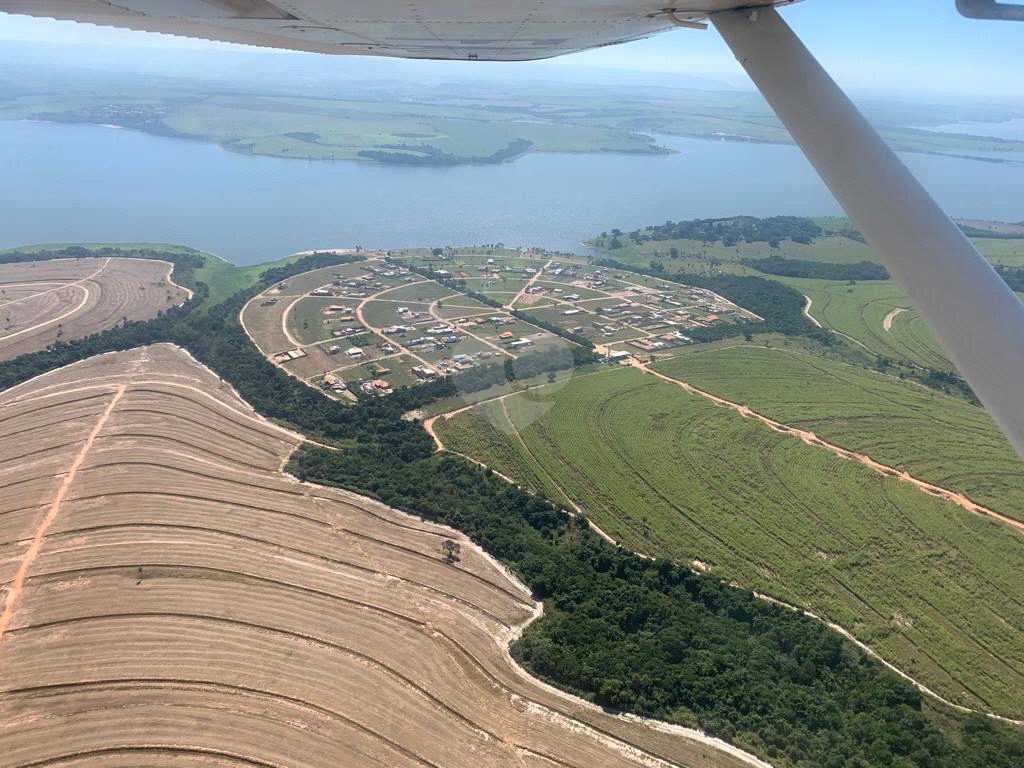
<point x="170" y="598"/>
<point x="61" y="299"/>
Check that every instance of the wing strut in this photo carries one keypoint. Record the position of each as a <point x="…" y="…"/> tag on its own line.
<point x="978" y="320"/>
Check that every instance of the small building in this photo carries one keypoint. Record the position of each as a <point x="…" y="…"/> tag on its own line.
<point x="423" y="372"/>
<point x="334" y="382"/>
<point x="355" y="353"/>
<point x="506" y="335"/>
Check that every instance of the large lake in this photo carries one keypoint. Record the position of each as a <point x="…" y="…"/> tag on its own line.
<point x="67" y="183"/>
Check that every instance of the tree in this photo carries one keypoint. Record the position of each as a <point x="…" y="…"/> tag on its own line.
<point x="451" y="550"/>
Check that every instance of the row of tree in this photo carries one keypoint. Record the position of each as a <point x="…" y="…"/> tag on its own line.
<point x="820" y="270"/>
<point x="729" y="232"/>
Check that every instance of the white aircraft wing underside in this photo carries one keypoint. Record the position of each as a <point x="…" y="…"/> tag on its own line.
<point x="495" y="30"/>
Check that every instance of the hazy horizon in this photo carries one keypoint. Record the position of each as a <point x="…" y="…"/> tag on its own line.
<point x="926" y="51"/>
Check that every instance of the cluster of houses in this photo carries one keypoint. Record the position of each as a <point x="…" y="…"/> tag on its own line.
<point x="342" y="333"/>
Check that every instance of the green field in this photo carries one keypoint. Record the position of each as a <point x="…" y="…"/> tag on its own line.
<point x="859" y="312"/>
<point x="929" y="585"/>
<point x="933" y="436"/>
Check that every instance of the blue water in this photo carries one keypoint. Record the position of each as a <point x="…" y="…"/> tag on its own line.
<point x="66" y="183"/>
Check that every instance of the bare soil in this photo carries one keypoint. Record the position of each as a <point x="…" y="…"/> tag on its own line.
<point x="172" y="598"/>
<point x="42" y="302"/>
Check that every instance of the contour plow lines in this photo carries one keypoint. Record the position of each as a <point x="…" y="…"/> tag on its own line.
<point x="15" y="589"/>
<point x="57" y="319"/>
<point x="812" y="439"/>
<point x="162" y="606"/>
<point x="60" y="286"/>
<point x="71" y="303"/>
<point x="625" y="458"/>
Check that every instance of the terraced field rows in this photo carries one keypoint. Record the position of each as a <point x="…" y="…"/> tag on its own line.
<point x="937" y="438"/>
<point x="859" y="311"/>
<point x="925" y="583"/>
<point x="185" y="603"/>
<point x="42" y="302"/>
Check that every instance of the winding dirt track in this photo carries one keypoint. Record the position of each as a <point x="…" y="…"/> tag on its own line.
<point x="174" y="599"/>
<point x="807" y="311"/>
<point x="812" y="439"/>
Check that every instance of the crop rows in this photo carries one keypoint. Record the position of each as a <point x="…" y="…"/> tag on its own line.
<point x="899" y="424"/>
<point x="179" y="601"/>
<point x="63" y="299"/>
<point x="926" y="583"/>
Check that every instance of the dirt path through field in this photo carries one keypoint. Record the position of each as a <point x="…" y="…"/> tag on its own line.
<point x="529" y="283"/>
<point x="52" y="320"/>
<point x="14" y="591"/>
<point x="887" y="322"/>
<point x="284" y="322"/>
<point x="170" y="281"/>
<point x="812" y="439"/>
<point x="428" y="425"/>
<point x="807" y="311"/>
<point x="61" y="287"/>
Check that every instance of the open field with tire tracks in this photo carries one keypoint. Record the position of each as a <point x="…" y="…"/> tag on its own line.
<point x="927" y="584"/>
<point x="171" y="598"/>
<point x="42" y="302"/>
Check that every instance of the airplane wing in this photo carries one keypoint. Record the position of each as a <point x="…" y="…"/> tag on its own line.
<point x="492" y="30"/>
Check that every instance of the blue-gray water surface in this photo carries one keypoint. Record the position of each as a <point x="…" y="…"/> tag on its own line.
<point x="83" y="183"/>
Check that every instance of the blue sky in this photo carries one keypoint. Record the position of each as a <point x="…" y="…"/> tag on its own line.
<point x="893" y="45"/>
